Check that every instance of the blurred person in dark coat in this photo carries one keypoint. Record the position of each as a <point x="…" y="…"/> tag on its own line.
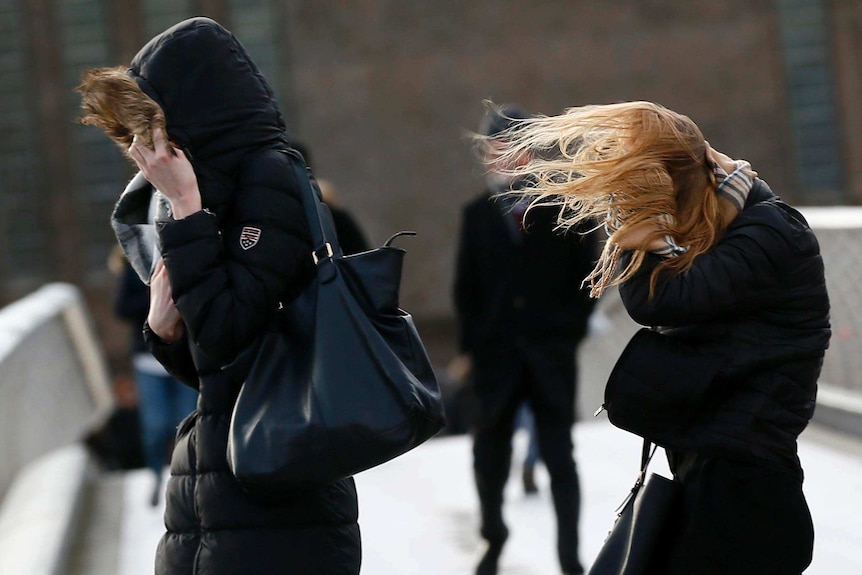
<point x="351" y="238"/>
<point x="521" y="314"/>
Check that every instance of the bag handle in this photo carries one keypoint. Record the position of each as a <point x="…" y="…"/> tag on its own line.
<point x="324" y="242"/>
<point x="647" y="451"/>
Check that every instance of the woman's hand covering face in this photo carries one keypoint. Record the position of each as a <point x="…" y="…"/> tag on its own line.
<point x="734" y="180"/>
<point x="169" y="170"/>
<point x="725" y="162"/>
<point x="721" y="163"/>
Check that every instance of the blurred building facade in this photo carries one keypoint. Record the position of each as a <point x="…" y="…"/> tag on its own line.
<point x="384" y="91"/>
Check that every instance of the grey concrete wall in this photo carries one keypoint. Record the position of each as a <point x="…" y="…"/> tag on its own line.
<point x="53" y="383"/>
<point x="839" y="231"/>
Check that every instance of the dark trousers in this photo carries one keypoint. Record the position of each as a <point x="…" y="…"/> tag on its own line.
<point x="492" y="455"/>
<point x="738" y="518"/>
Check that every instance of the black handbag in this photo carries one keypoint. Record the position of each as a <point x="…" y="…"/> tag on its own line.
<point x="641" y="534"/>
<point x="658" y="384"/>
<point x="342" y="381"/>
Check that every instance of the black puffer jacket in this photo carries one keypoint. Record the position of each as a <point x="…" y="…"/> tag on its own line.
<point x="759" y="299"/>
<point x="229" y="266"/>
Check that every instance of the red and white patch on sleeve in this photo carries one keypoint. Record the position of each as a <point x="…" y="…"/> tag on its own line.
<point x="249" y="237"/>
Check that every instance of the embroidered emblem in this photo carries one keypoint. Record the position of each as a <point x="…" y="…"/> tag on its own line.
<point x="248" y="237"/>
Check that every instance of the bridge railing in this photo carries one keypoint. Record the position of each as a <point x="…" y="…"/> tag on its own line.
<point x="53" y="389"/>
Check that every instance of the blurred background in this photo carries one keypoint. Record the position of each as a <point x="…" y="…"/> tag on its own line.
<point x="383" y="92"/>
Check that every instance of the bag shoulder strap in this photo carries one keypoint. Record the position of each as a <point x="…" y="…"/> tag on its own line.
<point x="647" y="451"/>
<point x="325" y="244"/>
<point x="323" y="238"/>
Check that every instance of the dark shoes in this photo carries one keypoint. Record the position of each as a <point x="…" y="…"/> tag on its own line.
<point x="488" y="564"/>
<point x="529" y="479"/>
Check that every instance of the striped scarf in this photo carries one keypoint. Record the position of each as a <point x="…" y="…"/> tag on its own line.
<point x="734" y="187"/>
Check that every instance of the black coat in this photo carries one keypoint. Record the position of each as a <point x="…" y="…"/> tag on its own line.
<point x="229" y="267"/>
<point x="759" y="299"/>
<point x="519" y="302"/>
<point x="350" y="236"/>
<point x="131" y="303"/>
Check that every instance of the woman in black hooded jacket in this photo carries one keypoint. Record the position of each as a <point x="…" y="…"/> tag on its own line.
<point x="201" y="123"/>
<point x="709" y="256"/>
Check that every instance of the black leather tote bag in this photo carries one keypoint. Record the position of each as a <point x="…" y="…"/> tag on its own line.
<point x="341" y="382"/>
<point x="639" y="540"/>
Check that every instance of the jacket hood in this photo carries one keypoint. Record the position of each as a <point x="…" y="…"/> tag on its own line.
<point x="217" y="104"/>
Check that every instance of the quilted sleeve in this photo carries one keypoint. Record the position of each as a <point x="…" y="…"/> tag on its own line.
<point x="228" y="282"/>
<point x="174" y="356"/>
<point x="739" y="275"/>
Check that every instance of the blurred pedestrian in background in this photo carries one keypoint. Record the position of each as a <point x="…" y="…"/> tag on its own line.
<point x="351" y="238"/>
<point x="707" y="251"/>
<point x="202" y="124"/>
<point x="521" y="314"/>
<point x="162" y="400"/>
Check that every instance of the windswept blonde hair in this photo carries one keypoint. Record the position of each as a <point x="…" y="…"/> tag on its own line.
<point x="114" y="102"/>
<point x="636" y="161"/>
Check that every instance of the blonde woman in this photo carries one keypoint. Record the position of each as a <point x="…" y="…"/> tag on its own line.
<point x="702" y="247"/>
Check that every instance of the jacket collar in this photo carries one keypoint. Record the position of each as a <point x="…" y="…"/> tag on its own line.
<point x="760" y="192"/>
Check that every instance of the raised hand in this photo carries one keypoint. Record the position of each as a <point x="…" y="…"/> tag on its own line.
<point x="727" y="163"/>
<point x="170" y="171"/>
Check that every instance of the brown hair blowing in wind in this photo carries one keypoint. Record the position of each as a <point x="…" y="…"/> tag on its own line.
<point x="633" y="163"/>
<point x="113" y="101"/>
